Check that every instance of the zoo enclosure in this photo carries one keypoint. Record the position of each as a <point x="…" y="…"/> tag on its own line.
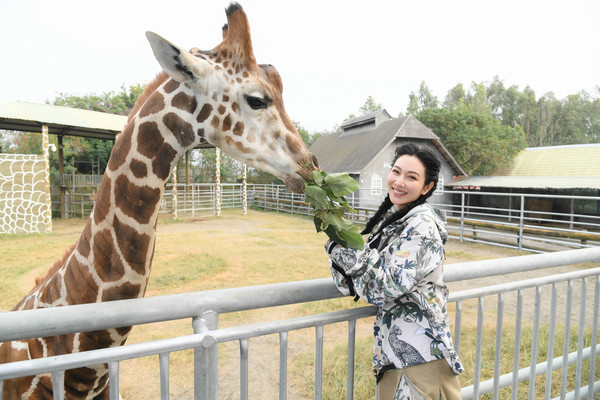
<point x="571" y="317"/>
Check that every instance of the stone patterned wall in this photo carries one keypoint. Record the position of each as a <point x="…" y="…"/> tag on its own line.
<point x="23" y="199"/>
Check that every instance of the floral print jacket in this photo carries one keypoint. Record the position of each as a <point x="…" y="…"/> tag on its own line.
<point x="403" y="277"/>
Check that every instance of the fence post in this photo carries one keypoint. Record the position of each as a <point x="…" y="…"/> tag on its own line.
<point x="572" y="214"/>
<point x="292" y="203"/>
<point x="521" y="222"/>
<point x="462" y="215"/>
<point x="206" y="360"/>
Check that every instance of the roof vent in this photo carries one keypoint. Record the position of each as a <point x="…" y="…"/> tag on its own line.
<point x="365" y="122"/>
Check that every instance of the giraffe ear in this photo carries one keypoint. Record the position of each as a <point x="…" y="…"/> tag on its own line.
<point x="177" y="62"/>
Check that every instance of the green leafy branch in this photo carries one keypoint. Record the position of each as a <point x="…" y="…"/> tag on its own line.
<point x="326" y="196"/>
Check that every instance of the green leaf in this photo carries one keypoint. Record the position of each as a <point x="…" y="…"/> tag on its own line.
<point x="341" y="184"/>
<point x="318" y="178"/>
<point x="326" y="196"/>
<point x="337" y="222"/>
<point x="317" y="198"/>
<point x="353" y="239"/>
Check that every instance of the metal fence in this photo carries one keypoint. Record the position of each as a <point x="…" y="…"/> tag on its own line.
<point x="516" y="220"/>
<point x="516" y="332"/>
<point x="525" y="221"/>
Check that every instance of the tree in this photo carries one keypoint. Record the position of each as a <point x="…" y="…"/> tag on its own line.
<point x="478" y="142"/>
<point x="110" y="102"/>
<point x="422" y="100"/>
<point x="81" y="154"/>
<point x="547" y="122"/>
<point x="455" y="97"/>
<point x="370" y="106"/>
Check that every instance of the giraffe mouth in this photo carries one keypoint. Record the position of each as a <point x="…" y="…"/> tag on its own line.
<point x="295" y="183"/>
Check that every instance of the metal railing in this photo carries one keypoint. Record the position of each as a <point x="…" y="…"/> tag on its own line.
<point x="524" y="317"/>
<point x="514" y="220"/>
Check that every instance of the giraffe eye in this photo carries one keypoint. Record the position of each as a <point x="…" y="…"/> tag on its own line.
<point x="256" y="103"/>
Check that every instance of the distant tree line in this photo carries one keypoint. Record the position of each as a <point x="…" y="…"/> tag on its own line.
<point x="485" y="126"/>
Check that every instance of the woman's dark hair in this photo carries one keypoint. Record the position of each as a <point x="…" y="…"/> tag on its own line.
<point x="432" y="172"/>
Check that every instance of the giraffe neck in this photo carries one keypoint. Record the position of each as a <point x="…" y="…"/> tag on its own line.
<point x="113" y="256"/>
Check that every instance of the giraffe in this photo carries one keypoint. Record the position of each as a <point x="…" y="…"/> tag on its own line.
<point x="221" y="96"/>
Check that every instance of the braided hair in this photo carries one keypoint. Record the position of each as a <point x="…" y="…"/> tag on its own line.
<point x="432" y="171"/>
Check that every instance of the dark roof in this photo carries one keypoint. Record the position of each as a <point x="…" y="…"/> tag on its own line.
<point x="358" y="143"/>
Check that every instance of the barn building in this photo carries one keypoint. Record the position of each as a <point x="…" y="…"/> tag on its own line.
<point x="364" y="147"/>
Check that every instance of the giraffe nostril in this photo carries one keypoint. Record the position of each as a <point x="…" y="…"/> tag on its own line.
<point x="315" y="162"/>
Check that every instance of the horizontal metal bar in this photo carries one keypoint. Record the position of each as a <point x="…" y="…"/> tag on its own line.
<point x="486" y="268"/>
<point x="100" y="356"/>
<point x="524" y="374"/>
<point x="69" y="319"/>
<point x="522" y="284"/>
<point x="267" y="328"/>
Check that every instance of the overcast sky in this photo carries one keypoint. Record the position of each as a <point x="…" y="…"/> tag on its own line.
<point x="331" y="54"/>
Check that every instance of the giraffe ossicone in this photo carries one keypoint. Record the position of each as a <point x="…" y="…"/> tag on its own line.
<point x="222" y="97"/>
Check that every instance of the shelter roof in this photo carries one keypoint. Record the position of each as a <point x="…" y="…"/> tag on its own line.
<point x="30" y="117"/>
<point x="528" y="182"/>
<point x="557" y="167"/>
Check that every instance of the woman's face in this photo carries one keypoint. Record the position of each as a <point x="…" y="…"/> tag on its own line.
<point x="406" y="181"/>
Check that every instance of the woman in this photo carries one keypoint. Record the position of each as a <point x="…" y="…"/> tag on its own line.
<point x="400" y="271"/>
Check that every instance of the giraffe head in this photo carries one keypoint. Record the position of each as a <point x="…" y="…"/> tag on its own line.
<point x="242" y="109"/>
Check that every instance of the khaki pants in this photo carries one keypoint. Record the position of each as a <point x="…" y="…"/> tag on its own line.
<point x="434" y="380"/>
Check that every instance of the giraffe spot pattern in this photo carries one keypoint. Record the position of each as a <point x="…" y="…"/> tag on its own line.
<point x="83" y="245"/>
<point x="215" y="123"/>
<point x="102" y="206"/>
<point x="124" y="291"/>
<point x="184" y="102"/>
<point x="151" y="143"/>
<point x="95" y="340"/>
<point x="238" y="145"/>
<point x="121" y="149"/>
<point x="162" y="166"/>
<point x="139" y="169"/>
<point x="227" y="123"/>
<point x="52" y="290"/>
<point x="149" y="139"/>
<point x="154" y="104"/>
<point x="134" y="247"/>
<point x="82" y="380"/>
<point x="79" y="282"/>
<point x="137" y="202"/>
<point x="238" y="129"/>
<point x="204" y="113"/>
<point x="171" y="86"/>
<point x="107" y="262"/>
<point x="182" y="130"/>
